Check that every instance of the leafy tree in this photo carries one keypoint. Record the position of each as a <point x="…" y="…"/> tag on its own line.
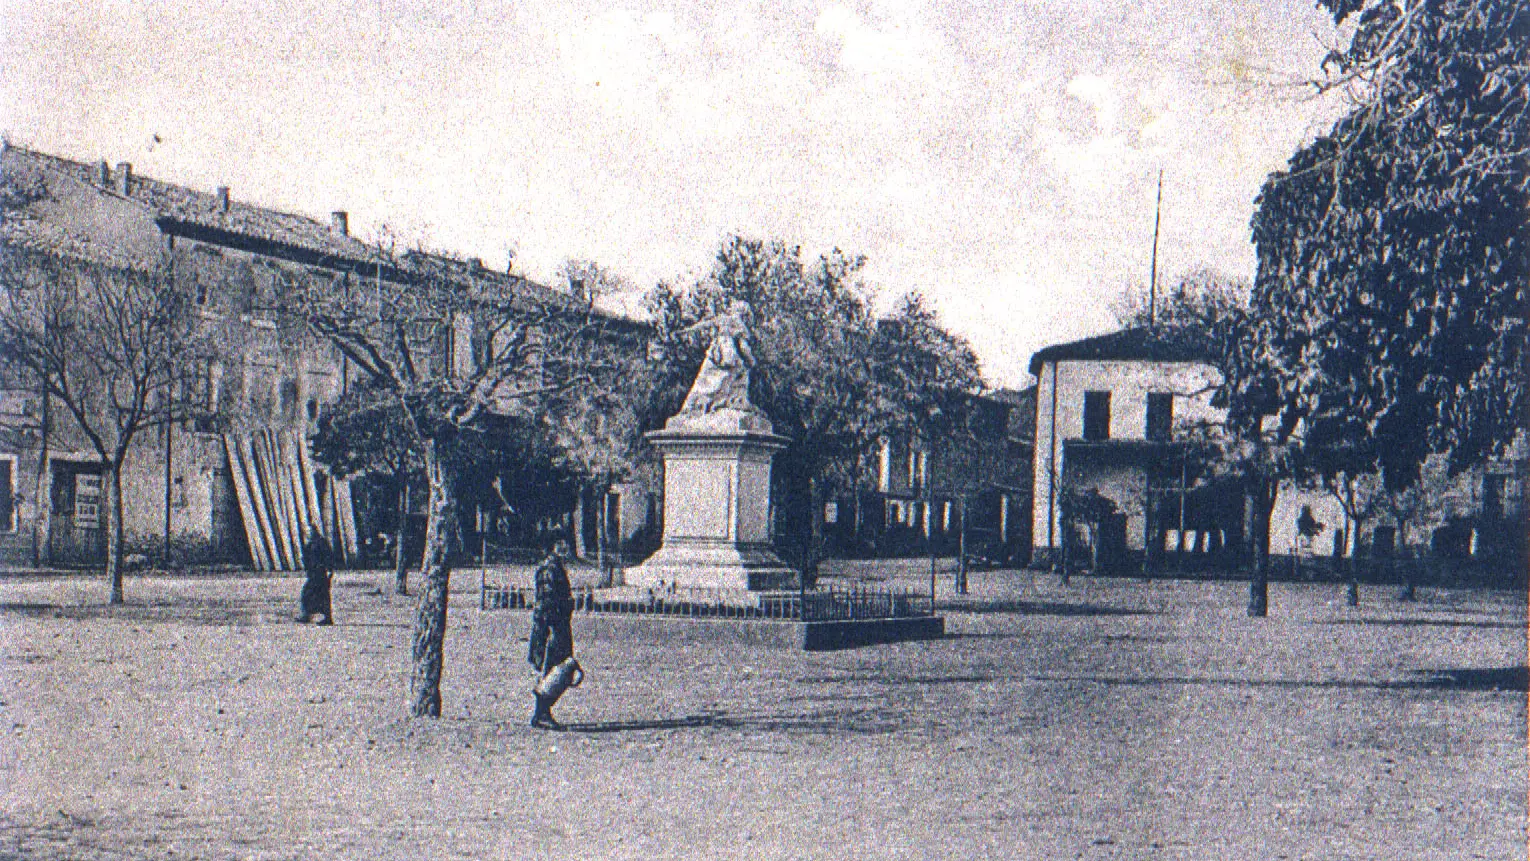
<point x="1409" y="507"/>
<point x="599" y="428"/>
<point x="367" y="431"/>
<point x="1389" y="307"/>
<point x="1252" y="447"/>
<point x="826" y="374"/>
<point x="927" y="378"/>
<point x="403" y="323"/>
<point x="1086" y="508"/>
<point x="1191" y="308"/>
<point x="104" y="343"/>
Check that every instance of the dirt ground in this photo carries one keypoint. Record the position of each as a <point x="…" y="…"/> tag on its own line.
<point x="1110" y="719"/>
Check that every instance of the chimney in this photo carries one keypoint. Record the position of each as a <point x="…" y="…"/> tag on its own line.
<point x="475" y="264"/>
<point x="340" y="222"/>
<point x="104" y="174"/>
<point x="510" y="264"/>
<point x="124" y="178"/>
<point x="223" y="198"/>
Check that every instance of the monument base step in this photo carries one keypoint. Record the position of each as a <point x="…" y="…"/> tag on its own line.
<point x="725" y="577"/>
<point x="769" y="633"/>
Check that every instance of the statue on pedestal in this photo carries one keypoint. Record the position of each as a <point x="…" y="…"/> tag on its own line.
<point x="723" y="381"/>
<point x="721" y="390"/>
<point x="717" y="461"/>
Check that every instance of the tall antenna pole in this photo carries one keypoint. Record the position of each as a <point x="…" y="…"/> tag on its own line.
<point x="1153" y="275"/>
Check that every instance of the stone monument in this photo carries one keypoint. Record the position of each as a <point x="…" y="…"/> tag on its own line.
<point x="717" y="456"/>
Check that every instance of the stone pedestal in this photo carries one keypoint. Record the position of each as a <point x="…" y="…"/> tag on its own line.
<point x="716" y="505"/>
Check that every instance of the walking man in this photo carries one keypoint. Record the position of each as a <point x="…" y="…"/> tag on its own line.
<point x="552" y="641"/>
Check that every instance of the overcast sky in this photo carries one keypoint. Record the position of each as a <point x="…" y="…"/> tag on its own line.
<point x="1001" y="160"/>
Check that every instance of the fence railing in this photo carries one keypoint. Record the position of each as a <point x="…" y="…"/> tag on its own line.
<point x="823" y="604"/>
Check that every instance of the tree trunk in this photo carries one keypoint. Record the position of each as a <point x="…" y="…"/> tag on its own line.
<point x="581" y="550"/>
<point x="400" y="561"/>
<point x="815" y="543"/>
<point x="860" y="522"/>
<point x="435" y="573"/>
<point x="1349" y="542"/>
<point x="1401" y="559"/>
<point x="1344" y="568"/>
<point x="1259" y="586"/>
<point x="1065" y="553"/>
<point x="601" y="526"/>
<point x="961" y="552"/>
<point x="114" y="531"/>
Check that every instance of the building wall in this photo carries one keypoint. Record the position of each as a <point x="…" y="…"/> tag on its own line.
<point x="1286" y="539"/>
<point x="1060" y="417"/>
<point x="255" y="374"/>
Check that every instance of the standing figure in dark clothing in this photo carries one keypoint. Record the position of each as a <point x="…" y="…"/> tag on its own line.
<point x="552" y="640"/>
<point x="315" y="599"/>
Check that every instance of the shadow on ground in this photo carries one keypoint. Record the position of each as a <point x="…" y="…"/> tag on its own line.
<point x="1038" y="608"/>
<point x="1442" y="623"/>
<point x="966" y="679"/>
<point x="1466" y="679"/>
<point x="223" y="612"/>
<point x="849" y="721"/>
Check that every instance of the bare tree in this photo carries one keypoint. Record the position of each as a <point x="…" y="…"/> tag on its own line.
<point x="104" y="343"/>
<point x="452" y="346"/>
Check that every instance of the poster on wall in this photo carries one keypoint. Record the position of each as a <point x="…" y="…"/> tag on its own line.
<point x="87" y="501"/>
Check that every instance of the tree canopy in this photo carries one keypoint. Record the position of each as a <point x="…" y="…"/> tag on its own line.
<point x="1388" y="314"/>
<point x="828" y="373"/>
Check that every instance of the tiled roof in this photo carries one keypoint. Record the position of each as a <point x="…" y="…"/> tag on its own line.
<point x="1142" y="344"/>
<point x="471" y="272"/>
<point x="50" y="239"/>
<point x="188" y="206"/>
<point x="183" y="206"/>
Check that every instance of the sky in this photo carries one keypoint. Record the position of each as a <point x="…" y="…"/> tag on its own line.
<point x="1000" y="158"/>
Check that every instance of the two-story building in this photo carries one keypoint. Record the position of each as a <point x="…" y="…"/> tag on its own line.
<point x="231" y="480"/>
<point x="1108" y="410"/>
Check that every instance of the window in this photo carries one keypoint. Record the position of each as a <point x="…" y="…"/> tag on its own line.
<point x="1160" y="416"/>
<point x="7" y="494"/>
<point x="1096" y="415"/>
<point x="918" y="469"/>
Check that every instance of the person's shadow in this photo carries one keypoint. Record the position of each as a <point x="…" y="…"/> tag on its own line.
<point x="842" y="720"/>
<point x="687" y="722"/>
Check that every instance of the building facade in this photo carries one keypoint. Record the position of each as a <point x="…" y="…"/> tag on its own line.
<point x="1110" y="415"/>
<point x="230" y="478"/>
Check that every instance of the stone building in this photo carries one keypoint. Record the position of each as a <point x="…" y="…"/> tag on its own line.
<point x="231" y="480"/>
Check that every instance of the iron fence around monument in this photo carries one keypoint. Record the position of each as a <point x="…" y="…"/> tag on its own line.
<point x="822" y="604"/>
